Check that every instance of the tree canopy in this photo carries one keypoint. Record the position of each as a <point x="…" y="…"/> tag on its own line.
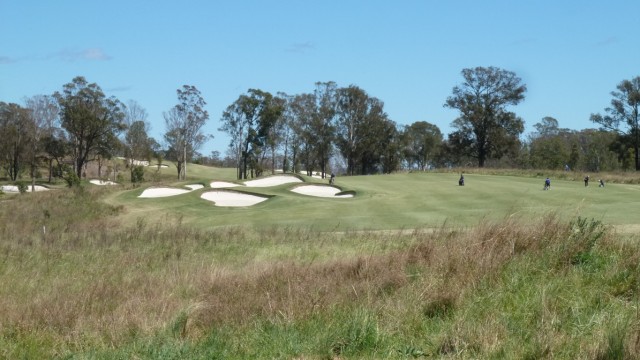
<point x="623" y="115"/>
<point x="184" y="124"/>
<point x="485" y="129"/>
<point x="92" y="120"/>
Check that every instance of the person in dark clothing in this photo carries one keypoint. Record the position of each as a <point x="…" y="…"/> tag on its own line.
<point x="601" y="183"/>
<point x="547" y="184"/>
<point x="332" y="179"/>
<point x="586" y="181"/>
<point x="461" y="181"/>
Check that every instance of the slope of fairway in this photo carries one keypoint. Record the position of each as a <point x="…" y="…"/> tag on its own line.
<point x="402" y="201"/>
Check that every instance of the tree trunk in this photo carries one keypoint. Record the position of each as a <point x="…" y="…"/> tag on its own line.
<point x="184" y="162"/>
<point x="50" y="169"/>
<point x="482" y="154"/>
<point x="637" y="142"/>
<point x="33" y="177"/>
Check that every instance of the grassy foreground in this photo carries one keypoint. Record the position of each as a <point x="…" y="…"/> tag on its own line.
<point x="512" y="287"/>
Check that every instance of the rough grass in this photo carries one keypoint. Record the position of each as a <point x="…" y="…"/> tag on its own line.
<point x="509" y="288"/>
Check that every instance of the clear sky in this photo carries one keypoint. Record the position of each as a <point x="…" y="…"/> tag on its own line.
<point x="409" y="54"/>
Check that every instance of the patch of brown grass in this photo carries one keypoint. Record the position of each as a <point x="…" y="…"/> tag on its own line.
<point x="94" y="284"/>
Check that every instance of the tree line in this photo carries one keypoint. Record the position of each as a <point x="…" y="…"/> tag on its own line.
<point x="80" y="124"/>
<point x="345" y="129"/>
<point x="331" y="129"/>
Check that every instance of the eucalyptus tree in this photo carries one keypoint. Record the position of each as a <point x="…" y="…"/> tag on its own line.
<point x="547" y="127"/>
<point x="322" y="125"/>
<point x="269" y="131"/>
<point x="550" y="146"/>
<point x="280" y="133"/>
<point x="302" y="145"/>
<point x="135" y="138"/>
<point x="623" y="116"/>
<point x="184" y="124"/>
<point x="43" y="116"/>
<point x="91" y="120"/>
<point x="353" y="107"/>
<point x="248" y="122"/>
<point x="362" y="127"/>
<point x="285" y="130"/>
<point x="14" y="132"/>
<point x="422" y="141"/>
<point x="383" y="147"/>
<point x="485" y="128"/>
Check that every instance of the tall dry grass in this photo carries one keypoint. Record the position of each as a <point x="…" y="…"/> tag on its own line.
<point x="512" y="288"/>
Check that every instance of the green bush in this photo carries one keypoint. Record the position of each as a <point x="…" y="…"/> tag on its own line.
<point x="71" y="178"/>
<point x="137" y="174"/>
<point x="22" y="187"/>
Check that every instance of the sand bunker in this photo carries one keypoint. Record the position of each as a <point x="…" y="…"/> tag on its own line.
<point x="314" y="174"/>
<point x="230" y="198"/>
<point x="102" y="182"/>
<point x="14" y="188"/>
<point x="167" y="191"/>
<point x="162" y="192"/>
<point x="194" y="186"/>
<point x="222" y="184"/>
<point x="320" y="191"/>
<point x="272" y="181"/>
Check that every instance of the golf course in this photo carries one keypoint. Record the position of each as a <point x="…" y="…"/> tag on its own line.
<point x="397" y="266"/>
<point x="392" y="202"/>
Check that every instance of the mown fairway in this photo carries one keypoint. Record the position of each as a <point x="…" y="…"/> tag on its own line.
<point x="398" y="201"/>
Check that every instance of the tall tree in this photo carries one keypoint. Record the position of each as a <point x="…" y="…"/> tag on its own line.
<point x="184" y="124"/>
<point x="276" y="126"/>
<point x="353" y="108"/>
<point x="92" y="120"/>
<point x="302" y="111"/>
<point x="285" y="129"/>
<point x="362" y="130"/>
<point x="549" y="147"/>
<point x="249" y="121"/>
<point x="43" y="113"/>
<point x="548" y="126"/>
<point x="422" y="139"/>
<point x="14" y="132"/>
<point x="624" y="113"/>
<point x="136" y="135"/>
<point x="326" y="103"/>
<point x="485" y="128"/>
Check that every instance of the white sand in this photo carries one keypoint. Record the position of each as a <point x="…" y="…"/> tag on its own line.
<point x="14" y="188"/>
<point x="320" y="191"/>
<point x="102" y="182"/>
<point x="222" y="184"/>
<point x="162" y="192"/>
<point x="194" y="186"/>
<point x="273" y="181"/>
<point x="229" y="198"/>
<point x="315" y="174"/>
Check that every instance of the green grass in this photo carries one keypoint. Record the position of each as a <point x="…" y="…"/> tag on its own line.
<point x="399" y="201"/>
<point x="496" y="269"/>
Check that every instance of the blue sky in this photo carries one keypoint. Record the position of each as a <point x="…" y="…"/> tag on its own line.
<point x="409" y="54"/>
